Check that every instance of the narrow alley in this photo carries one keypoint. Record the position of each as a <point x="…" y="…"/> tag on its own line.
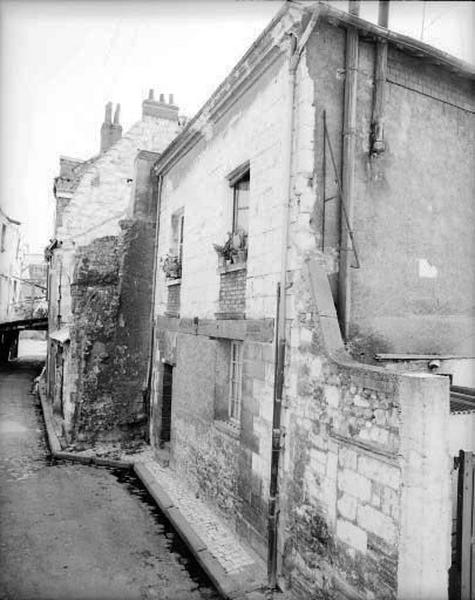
<point x="75" y="531"/>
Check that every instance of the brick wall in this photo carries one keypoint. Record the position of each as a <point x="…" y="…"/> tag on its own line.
<point x="173" y="301"/>
<point x="232" y="294"/>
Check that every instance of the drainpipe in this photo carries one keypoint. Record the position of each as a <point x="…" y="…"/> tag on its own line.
<point x="378" y="145"/>
<point x="348" y="176"/>
<point x="147" y="392"/>
<point x="296" y="50"/>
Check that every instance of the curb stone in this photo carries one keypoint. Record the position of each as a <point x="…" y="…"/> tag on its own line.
<point x="227" y="586"/>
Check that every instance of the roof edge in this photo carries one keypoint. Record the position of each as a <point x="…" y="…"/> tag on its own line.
<point x="193" y="131"/>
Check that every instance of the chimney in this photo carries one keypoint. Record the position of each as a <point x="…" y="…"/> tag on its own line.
<point x="383" y="13"/>
<point x="110" y="131"/>
<point x="159" y="109"/>
<point x="354" y="7"/>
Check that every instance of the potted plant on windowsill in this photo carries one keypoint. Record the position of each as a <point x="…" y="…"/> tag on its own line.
<point x="234" y="249"/>
<point x="171" y="266"/>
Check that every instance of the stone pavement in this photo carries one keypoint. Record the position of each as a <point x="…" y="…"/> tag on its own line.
<point x="71" y="531"/>
<point x="235" y="570"/>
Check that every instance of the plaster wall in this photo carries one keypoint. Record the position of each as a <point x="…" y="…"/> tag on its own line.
<point x="461" y="433"/>
<point x="413" y="209"/>
<point x="11" y="265"/>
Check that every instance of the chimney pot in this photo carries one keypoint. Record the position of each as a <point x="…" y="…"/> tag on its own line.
<point x="383" y="13"/>
<point x="108" y="113"/>
<point x="110" y="132"/>
<point x="150" y="94"/>
<point x="354" y="7"/>
<point x="170" y="98"/>
<point x="117" y="114"/>
<point x="162" y="98"/>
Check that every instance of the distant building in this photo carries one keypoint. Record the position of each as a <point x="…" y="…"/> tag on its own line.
<point x="33" y="286"/>
<point x="293" y="370"/>
<point x="100" y="277"/>
<point x="11" y="262"/>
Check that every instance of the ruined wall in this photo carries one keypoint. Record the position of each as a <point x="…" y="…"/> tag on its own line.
<point x="111" y="332"/>
<point x="108" y="227"/>
<point x="416" y="197"/>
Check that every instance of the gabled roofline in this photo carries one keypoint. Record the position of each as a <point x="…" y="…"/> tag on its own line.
<point x="269" y="46"/>
<point x="9" y="219"/>
<point x="403" y="42"/>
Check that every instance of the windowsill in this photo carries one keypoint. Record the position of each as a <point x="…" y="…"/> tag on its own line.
<point x="232" y="267"/>
<point x="171" y="282"/>
<point x="229" y="427"/>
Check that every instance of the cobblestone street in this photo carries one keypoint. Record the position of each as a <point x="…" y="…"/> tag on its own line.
<point x="74" y="531"/>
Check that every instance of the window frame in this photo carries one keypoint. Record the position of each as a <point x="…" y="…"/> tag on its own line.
<point x="235" y="382"/>
<point x="237" y="176"/>
<point x="177" y="231"/>
<point x="4" y="237"/>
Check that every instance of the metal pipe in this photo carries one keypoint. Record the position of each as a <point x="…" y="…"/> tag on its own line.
<point x="295" y="53"/>
<point x="378" y="145"/>
<point x="354" y="7"/>
<point x="324" y="176"/>
<point x="147" y="391"/>
<point x="275" y="452"/>
<point x="383" y="13"/>
<point x="348" y="175"/>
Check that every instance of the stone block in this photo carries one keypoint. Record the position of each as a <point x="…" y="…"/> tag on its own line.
<point x="354" y="484"/>
<point x="352" y="535"/>
<point x="332" y="395"/>
<point x="347" y="458"/>
<point x="379" y="471"/>
<point x="347" y="507"/>
<point x="374" y="521"/>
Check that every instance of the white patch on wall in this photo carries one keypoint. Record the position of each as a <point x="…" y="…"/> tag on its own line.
<point x="426" y="269"/>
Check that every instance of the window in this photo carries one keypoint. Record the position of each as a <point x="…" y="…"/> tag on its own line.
<point x="241" y="204"/>
<point x="235" y="382"/>
<point x="4" y="235"/>
<point x="239" y="181"/>
<point x="178" y="224"/>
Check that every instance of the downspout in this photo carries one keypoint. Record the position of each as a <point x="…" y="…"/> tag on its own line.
<point x="147" y="392"/>
<point x="348" y="176"/>
<point x="378" y="145"/>
<point x="296" y="50"/>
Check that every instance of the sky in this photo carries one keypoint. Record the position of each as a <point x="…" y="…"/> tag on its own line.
<point x="62" y="61"/>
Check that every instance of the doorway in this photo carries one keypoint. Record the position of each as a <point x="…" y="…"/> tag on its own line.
<point x="167" y="385"/>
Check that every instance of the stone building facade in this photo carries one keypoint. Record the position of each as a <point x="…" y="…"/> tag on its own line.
<point x="100" y="278"/>
<point x="313" y="257"/>
<point x="12" y="252"/>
